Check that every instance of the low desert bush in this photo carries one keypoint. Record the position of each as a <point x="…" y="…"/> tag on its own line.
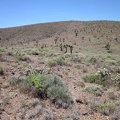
<point x="51" y="63"/>
<point x="106" y="108"/>
<point x="116" y="80"/>
<point x="93" y="60"/>
<point x="78" y="66"/>
<point x="116" y="114"/>
<point x="56" y="61"/>
<point x="76" y="58"/>
<point x="34" y="80"/>
<point x="2" y="50"/>
<point x="112" y="95"/>
<point x="44" y="86"/>
<point x="101" y="77"/>
<point x="91" y="78"/>
<point x="22" y="58"/>
<point x="56" y="90"/>
<point x="81" y="84"/>
<point x="95" y="90"/>
<point x="35" y="52"/>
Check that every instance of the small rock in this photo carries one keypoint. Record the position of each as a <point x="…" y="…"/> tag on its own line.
<point x="34" y="102"/>
<point x="68" y="118"/>
<point x="114" y="118"/>
<point x="1" y="102"/>
<point x="5" y="85"/>
<point x="33" y="112"/>
<point x="85" y="113"/>
<point x="1" y="110"/>
<point x="79" y="101"/>
<point x="48" y="114"/>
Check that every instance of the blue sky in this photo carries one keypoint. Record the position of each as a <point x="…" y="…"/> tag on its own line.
<point x="24" y="12"/>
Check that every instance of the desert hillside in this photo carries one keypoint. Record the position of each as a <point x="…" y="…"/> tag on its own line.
<point x="60" y="71"/>
<point x="70" y="30"/>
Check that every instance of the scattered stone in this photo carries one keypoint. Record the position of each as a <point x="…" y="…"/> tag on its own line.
<point x="1" y="102"/>
<point x="48" y="115"/>
<point x="1" y="110"/>
<point x="68" y="118"/>
<point x="79" y="101"/>
<point x="5" y="85"/>
<point x="34" y="112"/>
<point x="34" y="102"/>
<point x="85" y="113"/>
<point x="114" y="118"/>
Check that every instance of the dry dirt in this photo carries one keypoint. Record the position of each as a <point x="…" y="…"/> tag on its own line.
<point x="90" y="41"/>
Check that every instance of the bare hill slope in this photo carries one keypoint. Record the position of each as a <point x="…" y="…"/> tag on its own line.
<point x="109" y="30"/>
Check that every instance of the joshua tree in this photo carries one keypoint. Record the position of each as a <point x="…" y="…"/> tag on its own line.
<point x="76" y="32"/>
<point x="107" y="46"/>
<point x="65" y="46"/>
<point x="61" y="47"/>
<point x="56" y="39"/>
<point x="71" y="48"/>
<point x="83" y="38"/>
<point x="63" y="39"/>
<point x="37" y="43"/>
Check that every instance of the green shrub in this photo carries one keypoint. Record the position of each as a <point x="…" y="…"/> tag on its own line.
<point x="75" y="58"/>
<point x="109" y="51"/>
<point x="91" y="78"/>
<point x="44" y="86"/>
<point x="95" y="90"/>
<point x="51" y="63"/>
<point x="23" y="84"/>
<point x="103" y="74"/>
<point x="106" y="108"/>
<point x="117" y="80"/>
<point x="78" y="66"/>
<point x="93" y="60"/>
<point x="2" y="50"/>
<point x="81" y="84"/>
<point x="112" y="62"/>
<point x="101" y="77"/>
<point x="55" y="89"/>
<point x="57" y="61"/>
<point x="35" y="52"/>
<point x="34" y="79"/>
<point x="112" y="95"/>
<point x="22" y="58"/>
<point x="59" y="93"/>
<point x="60" y="60"/>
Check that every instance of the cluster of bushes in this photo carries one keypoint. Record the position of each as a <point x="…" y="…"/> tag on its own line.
<point x="57" y="61"/>
<point x="101" y="77"/>
<point x="105" y="108"/>
<point x="44" y="86"/>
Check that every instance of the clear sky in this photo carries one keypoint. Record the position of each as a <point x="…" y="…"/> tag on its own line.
<point x="24" y="12"/>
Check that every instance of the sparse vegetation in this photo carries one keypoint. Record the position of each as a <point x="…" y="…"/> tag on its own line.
<point x="45" y="86"/>
<point x="105" y="108"/>
<point x="57" y="61"/>
<point x="112" y="95"/>
<point x="85" y="56"/>
<point x="95" y="90"/>
<point x="102" y="77"/>
<point x="22" y="58"/>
